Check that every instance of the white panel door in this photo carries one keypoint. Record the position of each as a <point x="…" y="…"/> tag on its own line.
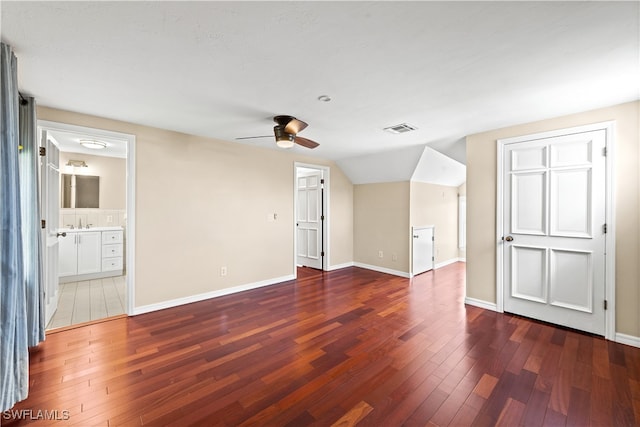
<point x="309" y="220"/>
<point x="50" y="206"/>
<point x="423" y="244"/>
<point x="554" y="236"/>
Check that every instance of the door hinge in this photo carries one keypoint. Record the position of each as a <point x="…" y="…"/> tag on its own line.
<point x="43" y="151"/>
<point x="322" y="253"/>
<point x="433" y="238"/>
<point x="604" y="228"/>
<point x="433" y="258"/>
<point x="321" y="217"/>
<point x="605" y="304"/>
<point x="322" y="181"/>
<point x="604" y="151"/>
<point x="43" y="223"/>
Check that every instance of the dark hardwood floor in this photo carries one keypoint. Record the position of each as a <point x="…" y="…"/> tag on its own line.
<point x="342" y="348"/>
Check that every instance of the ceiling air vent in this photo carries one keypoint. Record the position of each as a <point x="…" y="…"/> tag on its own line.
<point x="401" y="128"/>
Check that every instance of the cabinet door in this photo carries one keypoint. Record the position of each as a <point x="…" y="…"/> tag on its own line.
<point x="68" y="258"/>
<point x="89" y="252"/>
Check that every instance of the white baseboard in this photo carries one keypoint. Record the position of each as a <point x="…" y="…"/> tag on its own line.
<point x="628" y="339"/>
<point x="340" y="266"/>
<point x="447" y="262"/>
<point x="480" y="303"/>
<point x="207" y="295"/>
<point x="382" y="270"/>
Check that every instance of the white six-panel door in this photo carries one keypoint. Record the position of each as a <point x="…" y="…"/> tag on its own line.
<point x="309" y="220"/>
<point x="554" y="237"/>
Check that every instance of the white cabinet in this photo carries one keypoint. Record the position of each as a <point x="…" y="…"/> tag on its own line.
<point x="85" y="255"/>
<point x="80" y="253"/>
<point x="68" y="255"/>
<point x="89" y="252"/>
<point x="112" y="251"/>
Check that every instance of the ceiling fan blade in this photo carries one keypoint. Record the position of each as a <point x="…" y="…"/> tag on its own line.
<point x="294" y="126"/>
<point x="305" y="142"/>
<point x="253" y="137"/>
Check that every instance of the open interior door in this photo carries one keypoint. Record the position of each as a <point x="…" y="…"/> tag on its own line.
<point x="309" y="220"/>
<point x="50" y="206"/>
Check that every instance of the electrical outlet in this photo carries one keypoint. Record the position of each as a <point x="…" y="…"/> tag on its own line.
<point x="109" y="218"/>
<point x="394" y="257"/>
<point x="380" y="254"/>
<point x="223" y="271"/>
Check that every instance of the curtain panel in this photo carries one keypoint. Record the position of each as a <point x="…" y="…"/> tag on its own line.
<point x="31" y="229"/>
<point x="21" y="287"/>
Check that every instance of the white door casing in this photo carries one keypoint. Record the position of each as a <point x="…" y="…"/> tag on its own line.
<point x="43" y="126"/>
<point x="309" y="219"/>
<point x="50" y="199"/>
<point x="422" y="239"/>
<point x="552" y="211"/>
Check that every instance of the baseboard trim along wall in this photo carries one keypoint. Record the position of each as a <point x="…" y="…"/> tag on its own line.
<point x="482" y="304"/>
<point x="207" y="295"/>
<point x="382" y="270"/>
<point x="628" y="339"/>
<point x="340" y="266"/>
<point x="447" y="262"/>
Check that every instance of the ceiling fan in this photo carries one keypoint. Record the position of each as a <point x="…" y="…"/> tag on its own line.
<point x="286" y="132"/>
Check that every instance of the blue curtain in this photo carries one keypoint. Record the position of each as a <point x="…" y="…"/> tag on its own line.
<point x="30" y="209"/>
<point x="20" y="276"/>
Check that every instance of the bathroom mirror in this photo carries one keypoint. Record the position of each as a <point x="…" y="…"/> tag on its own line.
<point x="80" y="191"/>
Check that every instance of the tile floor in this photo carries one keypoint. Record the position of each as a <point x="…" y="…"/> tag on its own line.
<point x="89" y="300"/>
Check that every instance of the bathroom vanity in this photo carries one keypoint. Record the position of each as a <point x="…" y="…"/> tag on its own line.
<point x="90" y="253"/>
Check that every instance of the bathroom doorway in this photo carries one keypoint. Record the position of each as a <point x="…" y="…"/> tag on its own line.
<point x="88" y="203"/>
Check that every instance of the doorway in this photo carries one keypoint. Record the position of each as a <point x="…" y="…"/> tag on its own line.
<point x="311" y="222"/>
<point x="555" y="228"/>
<point x="89" y="239"/>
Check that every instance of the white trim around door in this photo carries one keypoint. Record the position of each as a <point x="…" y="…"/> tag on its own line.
<point x="131" y="197"/>
<point x="326" y="263"/>
<point x="609" y="128"/>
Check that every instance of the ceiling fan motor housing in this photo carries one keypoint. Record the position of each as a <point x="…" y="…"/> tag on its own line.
<point x="280" y="134"/>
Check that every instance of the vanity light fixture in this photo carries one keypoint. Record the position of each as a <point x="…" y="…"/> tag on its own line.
<point x="93" y="144"/>
<point x="77" y="163"/>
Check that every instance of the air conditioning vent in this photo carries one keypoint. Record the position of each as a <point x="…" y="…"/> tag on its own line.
<point x="401" y="128"/>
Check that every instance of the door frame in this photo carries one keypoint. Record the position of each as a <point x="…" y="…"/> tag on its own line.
<point x="130" y="201"/>
<point x="610" y="238"/>
<point x="325" y="209"/>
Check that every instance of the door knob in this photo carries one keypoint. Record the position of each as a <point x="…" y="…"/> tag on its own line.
<point x="63" y="234"/>
<point x="508" y="239"/>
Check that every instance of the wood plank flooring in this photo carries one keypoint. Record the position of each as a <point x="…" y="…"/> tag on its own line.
<point x="349" y="347"/>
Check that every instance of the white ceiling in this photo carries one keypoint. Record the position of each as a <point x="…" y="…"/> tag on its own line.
<point x="223" y="69"/>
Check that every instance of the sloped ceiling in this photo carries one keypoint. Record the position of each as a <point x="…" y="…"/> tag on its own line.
<point x="419" y="163"/>
<point x="224" y="69"/>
